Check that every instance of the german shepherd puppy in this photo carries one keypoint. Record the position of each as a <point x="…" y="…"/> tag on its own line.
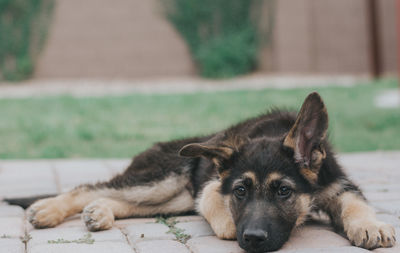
<point x="253" y="182"/>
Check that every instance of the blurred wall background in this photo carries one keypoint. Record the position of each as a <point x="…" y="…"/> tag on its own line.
<point x="134" y="39"/>
<point x="331" y="37"/>
<point x="108" y="39"/>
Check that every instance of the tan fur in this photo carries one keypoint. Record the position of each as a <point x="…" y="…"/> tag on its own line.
<point x="234" y="142"/>
<point x="360" y="224"/>
<point x="148" y="194"/>
<point x="356" y="217"/>
<point x="169" y="195"/>
<point x="317" y="157"/>
<point x="252" y="176"/>
<point x="303" y="205"/>
<point x="310" y="175"/>
<point x="226" y="151"/>
<point x="99" y="214"/>
<point x="329" y="193"/>
<point x="273" y="177"/>
<point x="224" y="174"/>
<point x="289" y="140"/>
<point x="52" y="211"/>
<point x="215" y="210"/>
<point x="326" y="199"/>
<point x="182" y="202"/>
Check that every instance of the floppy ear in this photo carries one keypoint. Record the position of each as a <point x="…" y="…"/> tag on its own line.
<point x="218" y="150"/>
<point x="306" y="136"/>
<point x="207" y="150"/>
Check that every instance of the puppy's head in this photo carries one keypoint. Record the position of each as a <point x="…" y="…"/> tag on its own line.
<point x="268" y="180"/>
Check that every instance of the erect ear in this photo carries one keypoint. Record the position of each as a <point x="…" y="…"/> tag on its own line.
<point x="306" y="136"/>
<point x="218" y="150"/>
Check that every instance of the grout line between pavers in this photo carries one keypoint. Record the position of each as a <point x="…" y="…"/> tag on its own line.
<point x="25" y="230"/>
<point x="26" y="237"/>
<point x="176" y="239"/>
<point x="127" y="240"/>
<point x="187" y="246"/>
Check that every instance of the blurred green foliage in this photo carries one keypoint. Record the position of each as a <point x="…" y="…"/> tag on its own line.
<point x="23" y="29"/>
<point x="223" y="35"/>
<point x="122" y="126"/>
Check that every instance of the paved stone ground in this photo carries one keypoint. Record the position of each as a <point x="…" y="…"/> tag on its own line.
<point x="377" y="173"/>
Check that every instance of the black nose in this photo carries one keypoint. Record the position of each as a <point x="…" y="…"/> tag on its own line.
<point x="254" y="238"/>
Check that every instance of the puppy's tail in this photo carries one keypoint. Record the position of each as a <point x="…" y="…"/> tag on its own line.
<point x="26" y="202"/>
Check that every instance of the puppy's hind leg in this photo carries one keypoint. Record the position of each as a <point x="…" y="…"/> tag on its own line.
<point x="101" y="213"/>
<point x="155" y="179"/>
<point x="50" y="212"/>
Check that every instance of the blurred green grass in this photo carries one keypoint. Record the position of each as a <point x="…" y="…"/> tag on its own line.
<point x="113" y="127"/>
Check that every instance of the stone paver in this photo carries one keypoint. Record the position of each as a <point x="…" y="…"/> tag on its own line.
<point x="26" y="178"/>
<point x="189" y="218"/>
<point x="394" y="220"/>
<point x="212" y="244"/>
<point x="147" y="231"/>
<point x="392" y="206"/>
<point x="381" y="195"/>
<point x="11" y="211"/>
<point x="395" y="249"/>
<point x="73" y="173"/>
<point x="12" y="227"/>
<point x="42" y="236"/>
<point x="196" y="228"/>
<point x="122" y="223"/>
<point x="377" y="174"/>
<point x="117" y="165"/>
<point x="309" y="237"/>
<point x="101" y="247"/>
<point x="72" y="221"/>
<point x="165" y="246"/>
<point x="11" y="245"/>
<point x="348" y="249"/>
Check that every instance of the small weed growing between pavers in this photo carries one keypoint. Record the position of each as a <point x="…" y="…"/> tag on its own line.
<point x="178" y="232"/>
<point x="87" y="238"/>
<point x="25" y="238"/>
<point x="4" y="236"/>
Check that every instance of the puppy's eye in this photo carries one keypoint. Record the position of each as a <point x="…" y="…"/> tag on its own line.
<point x="239" y="191"/>
<point x="284" y="191"/>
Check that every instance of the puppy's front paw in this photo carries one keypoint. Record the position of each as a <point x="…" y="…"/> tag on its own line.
<point x="371" y="234"/>
<point x="227" y="233"/>
<point x="224" y="228"/>
<point x="97" y="217"/>
<point x="45" y="213"/>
